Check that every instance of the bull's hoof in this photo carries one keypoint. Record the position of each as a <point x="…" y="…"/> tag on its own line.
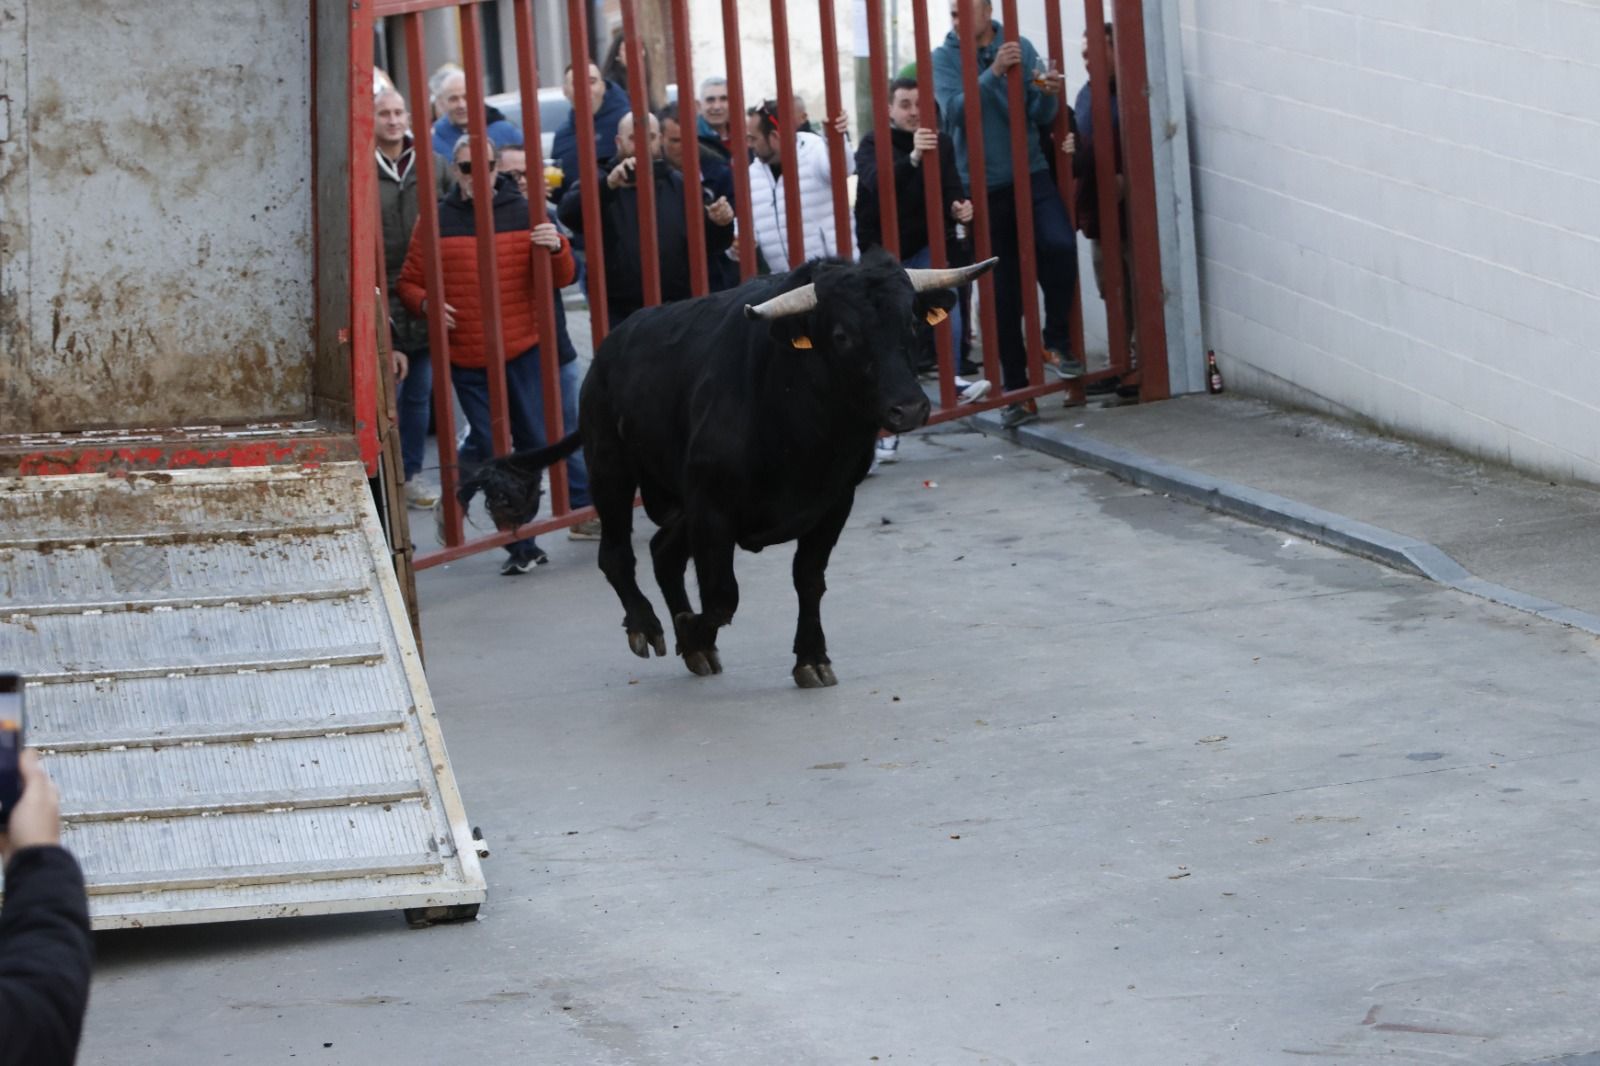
<point x="703" y="663"/>
<point x="815" y="675"/>
<point x="641" y="643"/>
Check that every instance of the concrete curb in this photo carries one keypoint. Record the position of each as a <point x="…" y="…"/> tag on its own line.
<point x="1264" y="508"/>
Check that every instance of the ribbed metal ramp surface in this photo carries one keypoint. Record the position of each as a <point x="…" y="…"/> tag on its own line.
<point x="222" y="681"/>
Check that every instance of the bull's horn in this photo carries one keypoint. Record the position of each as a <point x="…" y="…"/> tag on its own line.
<point x="794" y="302"/>
<point x="950" y="277"/>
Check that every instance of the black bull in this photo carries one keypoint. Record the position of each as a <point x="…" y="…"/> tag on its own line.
<point x="745" y="418"/>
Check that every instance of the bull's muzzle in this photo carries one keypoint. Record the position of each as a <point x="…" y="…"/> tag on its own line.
<point x="904" y="417"/>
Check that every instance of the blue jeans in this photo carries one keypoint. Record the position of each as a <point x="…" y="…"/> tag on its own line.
<point x="577" y="472"/>
<point x="412" y="403"/>
<point x="1056" y="254"/>
<point x="524" y="402"/>
<point x="571" y="382"/>
<point x="920" y="261"/>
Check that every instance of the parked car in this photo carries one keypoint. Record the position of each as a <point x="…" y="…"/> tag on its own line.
<point x="553" y="110"/>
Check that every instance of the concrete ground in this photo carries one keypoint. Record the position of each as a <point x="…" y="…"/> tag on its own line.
<point x="1518" y="532"/>
<point x="1107" y="779"/>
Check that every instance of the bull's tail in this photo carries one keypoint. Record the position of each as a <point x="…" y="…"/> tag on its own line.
<point x="563" y="447"/>
<point x="526" y="466"/>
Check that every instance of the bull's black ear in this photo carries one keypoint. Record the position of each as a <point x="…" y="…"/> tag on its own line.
<point x="793" y="331"/>
<point x="933" y="306"/>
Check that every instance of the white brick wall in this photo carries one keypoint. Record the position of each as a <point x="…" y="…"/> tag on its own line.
<point x="1398" y="214"/>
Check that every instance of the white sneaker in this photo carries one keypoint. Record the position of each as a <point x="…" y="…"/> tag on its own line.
<point x="420" y="497"/>
<point x="972" y="391"/>
<point x="888" y="450"/>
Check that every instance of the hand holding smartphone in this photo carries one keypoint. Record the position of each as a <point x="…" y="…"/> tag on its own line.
<point x="30" y="806"/>
<point x="12" y="739"/>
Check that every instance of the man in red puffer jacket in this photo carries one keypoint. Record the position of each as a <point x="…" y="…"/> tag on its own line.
<point x="514" y="241"/>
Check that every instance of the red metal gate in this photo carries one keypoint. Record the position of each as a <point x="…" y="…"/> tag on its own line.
<point x="1138" y="179"/>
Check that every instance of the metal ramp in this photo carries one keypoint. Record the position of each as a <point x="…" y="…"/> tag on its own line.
<point x="223" y="683"/>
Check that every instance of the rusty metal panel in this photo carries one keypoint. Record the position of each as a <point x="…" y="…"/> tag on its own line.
<point x="222" y="680"/>
<point x="156" y="250"/>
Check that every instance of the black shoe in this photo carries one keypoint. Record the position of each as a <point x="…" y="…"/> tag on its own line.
<point x="523" y="562"/>
<point x="1020" y="414"/>
<point x="968" y="369"/>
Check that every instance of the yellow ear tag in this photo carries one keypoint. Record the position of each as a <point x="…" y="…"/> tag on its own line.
<point x="801" y="342"/>
<point x="936" y="315"/>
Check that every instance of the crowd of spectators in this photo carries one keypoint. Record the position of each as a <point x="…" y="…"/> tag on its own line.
<point x="923" y="134"/>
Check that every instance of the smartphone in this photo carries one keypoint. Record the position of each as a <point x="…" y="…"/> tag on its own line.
<point x="12" y="722"/>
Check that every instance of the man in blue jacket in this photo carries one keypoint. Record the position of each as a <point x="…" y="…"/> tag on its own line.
<point x="1055" y="248"/>
<point x="608" y="102"/>
<point x="450" y="95"/>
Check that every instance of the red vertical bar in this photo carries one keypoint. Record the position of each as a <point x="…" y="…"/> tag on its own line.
<point x="934" y="195"/>
<point x="693" y="205"/>
<point x="543" y="282"/>
<point x="649" y="250"/>
<point x="433" y="280"/>
<point x="1063" y="164"/>
<point x="1106" y="181"/>
<point x="740" y="158"/>
<point x="973" y="107"/>
<point x="883" y="142"/>
<point x="1022" y="190"/>
<point x="589" y="188"/>
<point x="483" y="225"/>
<point x="834" y="106"/>
<point x="363" y="238"/>
<point x="786" y="131"/>
<point x="1061" y="127"/>
<point x="1144" y="234"/>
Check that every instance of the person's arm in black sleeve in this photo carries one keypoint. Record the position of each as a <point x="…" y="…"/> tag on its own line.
<point x="866" y="164"/>
<point x="949" y="176"/>
<point x="868" y="228"/>
<point x="46" y="956"/>
<point x="570" y="211"/>
<point x="718" y="238"/>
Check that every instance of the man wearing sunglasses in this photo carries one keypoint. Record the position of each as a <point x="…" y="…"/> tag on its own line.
<point x="516" y="239"/>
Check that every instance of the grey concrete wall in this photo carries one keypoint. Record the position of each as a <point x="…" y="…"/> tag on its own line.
<point x="157" y="260"/>
<point x="1397" y="214"/>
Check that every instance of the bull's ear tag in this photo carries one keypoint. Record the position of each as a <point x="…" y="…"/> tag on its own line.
<point x="936" y="315"/>
<point x="802" y="341"/>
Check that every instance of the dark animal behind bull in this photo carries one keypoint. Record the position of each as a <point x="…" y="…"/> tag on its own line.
<point x="743" y="418"/>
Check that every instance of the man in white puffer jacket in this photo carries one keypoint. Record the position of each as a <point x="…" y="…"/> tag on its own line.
<point x="767" y="198"/>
